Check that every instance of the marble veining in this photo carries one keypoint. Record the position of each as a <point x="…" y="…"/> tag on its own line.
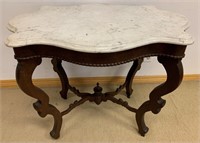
<point x="97" y="28"/>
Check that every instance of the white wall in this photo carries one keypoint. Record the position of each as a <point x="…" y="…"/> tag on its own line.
<point x="10" y="8"/>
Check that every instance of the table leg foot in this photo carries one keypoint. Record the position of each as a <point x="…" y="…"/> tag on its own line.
<point x="129" y="92"/>
<point x="143" y="131"/>
<point x="57" y="66"/>
<point x="142" y="128"/>
<point x="55" y="133"/>
<point x="129" y="79"/>
<point x="174" y="71"/>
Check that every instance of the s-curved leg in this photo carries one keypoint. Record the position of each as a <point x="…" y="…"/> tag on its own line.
<point x="130" y="76"/>
<point x="174" y="70"/>
<point x="25" y="69"/>
<point x="57" y="66"/>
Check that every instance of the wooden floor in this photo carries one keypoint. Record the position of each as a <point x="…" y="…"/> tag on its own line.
<point x="178" y="122"/>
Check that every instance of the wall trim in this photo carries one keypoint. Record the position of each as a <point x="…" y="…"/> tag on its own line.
<point x="78" y="81"/>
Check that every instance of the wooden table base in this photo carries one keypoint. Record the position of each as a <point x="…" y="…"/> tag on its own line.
<point x="29" y="58"/>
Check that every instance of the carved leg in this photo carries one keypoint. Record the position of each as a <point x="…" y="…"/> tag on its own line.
<point x="57" y="66"/>
<point x="128" y="83"/>
<point x="174" y="71"/>
<point x="25" y="69"/>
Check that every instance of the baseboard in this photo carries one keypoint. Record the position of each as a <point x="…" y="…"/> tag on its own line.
<point x="54" y="82"/>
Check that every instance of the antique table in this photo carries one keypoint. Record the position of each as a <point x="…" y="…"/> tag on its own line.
<point x="98" y="35"/>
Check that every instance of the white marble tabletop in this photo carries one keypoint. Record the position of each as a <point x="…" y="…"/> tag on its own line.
<point x="98" y="28"/>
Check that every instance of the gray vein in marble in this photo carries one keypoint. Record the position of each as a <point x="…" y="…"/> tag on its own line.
<point x="98" y="27"/>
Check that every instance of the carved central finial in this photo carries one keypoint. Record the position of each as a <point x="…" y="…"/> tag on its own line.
<point x="98" y="89"/>
<point x="98" y="95"/>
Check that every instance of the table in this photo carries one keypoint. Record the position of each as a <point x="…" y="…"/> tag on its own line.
<point x="98" y="35"/>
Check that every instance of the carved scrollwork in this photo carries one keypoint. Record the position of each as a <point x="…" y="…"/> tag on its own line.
<point x="24" y="73"/>
<point x="174" y="70"/>
<point x="157" y="105"/>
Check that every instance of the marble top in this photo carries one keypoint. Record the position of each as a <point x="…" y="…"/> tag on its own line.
<point x="98" y="28"/>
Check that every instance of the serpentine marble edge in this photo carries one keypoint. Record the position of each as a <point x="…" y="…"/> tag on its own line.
<point x="98" y="28"/>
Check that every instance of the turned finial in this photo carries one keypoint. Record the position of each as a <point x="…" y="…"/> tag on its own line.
<point x="97" y="88"/>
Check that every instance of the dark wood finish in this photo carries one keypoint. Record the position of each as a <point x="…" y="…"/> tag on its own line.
<point x="29" y="57"/>
<point x="129" y="78"/>
<point x="24" y="73"/>
<point x="57" y="66"/>
<point x="174" y="71"/>
<point x="99" y="59"/>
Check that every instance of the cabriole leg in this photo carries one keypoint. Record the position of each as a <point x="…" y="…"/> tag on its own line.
<point x="25" y="69"/>
<point x="57" y="66"/>
<point x="131" y="74"/>
<point x="174" y="71"/>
